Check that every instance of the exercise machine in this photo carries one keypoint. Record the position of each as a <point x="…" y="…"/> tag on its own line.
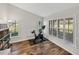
<point x="40" y="37"/>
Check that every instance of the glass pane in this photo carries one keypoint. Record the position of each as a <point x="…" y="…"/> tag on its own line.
<point x="66" y="25"/>
<point x="55" y="27"/>
<point x="14" y="29"/>
<point x="60" y="28"/>
<point x="69" y="29"/>
<point x="50" y="27"/>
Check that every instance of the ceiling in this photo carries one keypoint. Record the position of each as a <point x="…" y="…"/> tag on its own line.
<point x="44" y="9"/>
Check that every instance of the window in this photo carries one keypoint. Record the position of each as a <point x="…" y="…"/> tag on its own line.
<point x="60" y="28"/>
<point x="55" y="27"/>
<point x="13" y="27"/>
<point x="50" y="27"/>
<point x="69" y="29"/>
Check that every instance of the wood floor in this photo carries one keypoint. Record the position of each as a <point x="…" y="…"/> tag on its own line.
<point x="44" y="48"/>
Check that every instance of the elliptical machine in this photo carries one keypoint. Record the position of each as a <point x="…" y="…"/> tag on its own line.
<point x="38" y="38"/>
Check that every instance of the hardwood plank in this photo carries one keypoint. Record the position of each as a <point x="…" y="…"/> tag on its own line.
<point x="44" y="48"/>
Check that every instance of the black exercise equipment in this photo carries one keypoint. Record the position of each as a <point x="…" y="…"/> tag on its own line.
<point x="39" y="38"/>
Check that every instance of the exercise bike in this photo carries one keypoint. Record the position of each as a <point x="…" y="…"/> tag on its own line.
<point x="38" y="38"/>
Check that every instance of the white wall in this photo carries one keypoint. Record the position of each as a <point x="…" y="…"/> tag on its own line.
<point x="3" y="11"/>
<point x="27" y="21"/>
<point x="71" y="12"/>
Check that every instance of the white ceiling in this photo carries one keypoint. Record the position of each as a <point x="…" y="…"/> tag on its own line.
<point x="44" y="9"/>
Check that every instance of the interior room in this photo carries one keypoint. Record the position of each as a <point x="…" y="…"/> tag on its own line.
<point x="39" y="29"/>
